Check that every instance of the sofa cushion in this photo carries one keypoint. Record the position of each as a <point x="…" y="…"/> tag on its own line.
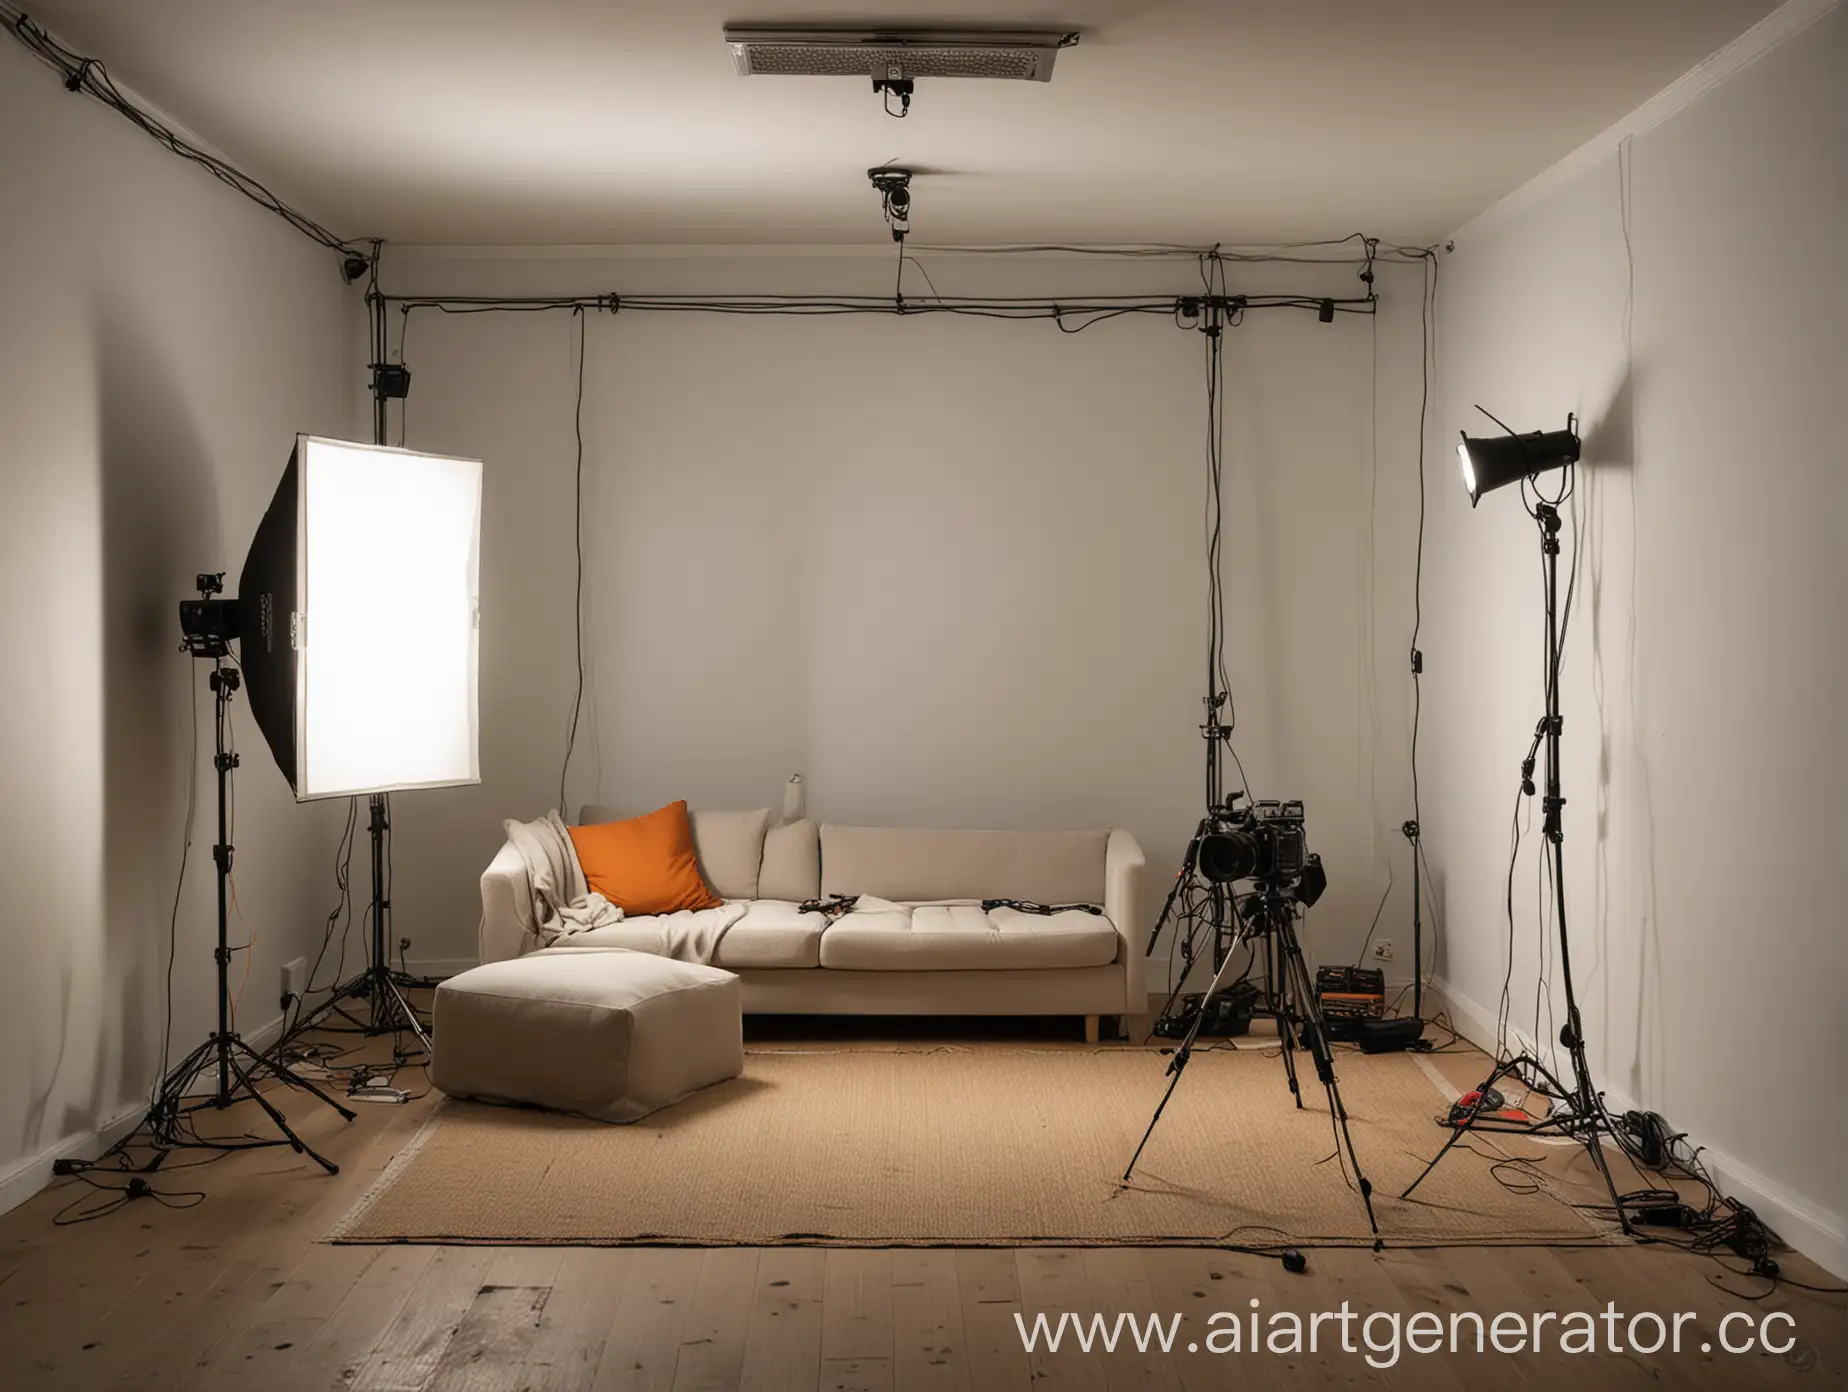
<point x="961" y="937"/>
<point x="771" y="934"/>
<point x="792" y="862"/>
<point x="644" y="865"/>
<point x="1049" y="867"/>
<point x="729" y="846"/>
<point x="611" y="1035"/>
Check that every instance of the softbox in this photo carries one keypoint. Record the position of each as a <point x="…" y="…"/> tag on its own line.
<point x="358" y="619"/>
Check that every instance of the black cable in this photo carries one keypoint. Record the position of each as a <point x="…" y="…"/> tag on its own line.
<point x="173" y="919"/>
<point x="343" y="904"/>
<point x="996" y="307"/>
<point x="404" y="402"/>
<point x="1504" y="1005"/>
<point x="577" y="542"/>
<point x="91" y="77"/>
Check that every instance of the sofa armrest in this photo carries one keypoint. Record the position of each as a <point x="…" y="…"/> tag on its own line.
<point x="506" y="908"/>
<point x="1123" y="862"/>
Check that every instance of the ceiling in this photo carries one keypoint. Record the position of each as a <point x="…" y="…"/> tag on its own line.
<point x="601" y="122"/>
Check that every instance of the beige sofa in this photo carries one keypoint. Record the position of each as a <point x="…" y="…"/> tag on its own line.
<point x="938" y="953"/>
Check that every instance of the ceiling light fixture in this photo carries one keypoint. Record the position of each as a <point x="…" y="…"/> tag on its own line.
<point x="895" y="59"/>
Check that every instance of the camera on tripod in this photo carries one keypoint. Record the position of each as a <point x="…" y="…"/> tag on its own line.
<point x="1262" y="841"/>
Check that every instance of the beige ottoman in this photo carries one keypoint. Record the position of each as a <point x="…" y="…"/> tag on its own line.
<point x="612" y="1035"/>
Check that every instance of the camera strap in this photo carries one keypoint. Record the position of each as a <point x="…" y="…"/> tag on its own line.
<point x="1044" y="910"/>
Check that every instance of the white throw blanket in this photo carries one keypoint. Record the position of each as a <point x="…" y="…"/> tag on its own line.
<point x="563" y="901"/>
<point x="564" y="904"/>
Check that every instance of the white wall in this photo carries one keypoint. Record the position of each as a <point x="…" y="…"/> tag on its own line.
<point x="161" y="341"/>
<point x="1704" y="672"/>
<point x="951" y="570"/>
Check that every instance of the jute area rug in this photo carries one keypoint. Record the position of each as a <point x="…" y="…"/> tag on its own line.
<point x="990" y="1146"/>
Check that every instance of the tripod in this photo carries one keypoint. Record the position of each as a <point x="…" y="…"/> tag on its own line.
<point x="379" y="987"/>
<point x="1578" y="1111"/>
<point x="1289" y="995"/>
<point x="1272" y="916"/>
<point x="233" y="1064"/>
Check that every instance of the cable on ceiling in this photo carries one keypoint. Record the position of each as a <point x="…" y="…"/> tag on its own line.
<point x="90" y="77"/>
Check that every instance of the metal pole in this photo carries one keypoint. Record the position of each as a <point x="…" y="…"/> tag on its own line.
<point x="221" y="857"/>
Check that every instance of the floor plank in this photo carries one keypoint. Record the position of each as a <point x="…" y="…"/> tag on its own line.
<point x="575" y="1325"/>
<point x="989" y="1292"/>
<point x="492" y="1340"/>
<point x="856" y="1316"/>
<point x="644" y="1340"/>
<point x="407" y="1354"/>
<point x="713" y="1340"/>
<point x="929" y="1353"/>
<point x="1053" y="1284"/>
<point x="783" y="1347"/>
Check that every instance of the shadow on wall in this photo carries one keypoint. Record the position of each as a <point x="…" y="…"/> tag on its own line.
<point x="1609" y="450"/>
<point x="161" y="526"/>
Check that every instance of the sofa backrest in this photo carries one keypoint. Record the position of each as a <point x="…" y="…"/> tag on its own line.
<point x="918" y="866"/>
<point x="728" y="845"/>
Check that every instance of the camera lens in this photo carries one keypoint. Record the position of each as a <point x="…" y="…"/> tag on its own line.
<point x="1228" y="855"/>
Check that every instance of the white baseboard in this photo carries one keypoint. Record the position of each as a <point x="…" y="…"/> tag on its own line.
<point x="1805" y="1225"/>
<point x="24" y="1178"/>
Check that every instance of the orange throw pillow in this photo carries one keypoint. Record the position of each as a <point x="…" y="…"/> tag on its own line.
<point x="645" y="865"/>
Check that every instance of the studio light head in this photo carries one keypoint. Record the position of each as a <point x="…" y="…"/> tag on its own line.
<point x="1492" y="461"/>
<point x="208" y="623"/>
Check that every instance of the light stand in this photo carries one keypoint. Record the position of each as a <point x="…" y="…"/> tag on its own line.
<point x="381" y="989"/>
<point x="233" y="1065"/>
<point x="1578" y="1110"/>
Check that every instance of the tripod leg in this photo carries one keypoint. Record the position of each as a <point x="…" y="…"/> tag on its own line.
<point x="1296" y="973"/>
<point x="1502" y="1070"/>
<point x="288" y="1075"/>
<point x="1286" y="1037"/>
<point x="1189" y="859"/>
<point x="1585" y="1123"/>
<point x="405" y="1008"/>
<point x="1175" y="1070"/>
<point x="1176" y="1067"/>
<point x="164" y="1114"/>
<point x="277" y="1119"/>
<point x="1286" y="1023"/>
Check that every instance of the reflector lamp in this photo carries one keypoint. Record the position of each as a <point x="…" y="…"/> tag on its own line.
<point x="1492" y="461"/>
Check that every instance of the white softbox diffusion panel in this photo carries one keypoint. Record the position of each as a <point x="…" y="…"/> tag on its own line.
<point x="386" y="631"/>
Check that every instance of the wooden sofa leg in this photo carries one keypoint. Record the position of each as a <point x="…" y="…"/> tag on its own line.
<point x="1090" y="1029"/>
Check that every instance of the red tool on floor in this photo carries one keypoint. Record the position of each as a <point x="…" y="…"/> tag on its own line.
<point x="1484" y="1105"/>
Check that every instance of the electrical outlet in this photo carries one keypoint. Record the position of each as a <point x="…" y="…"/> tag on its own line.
<point x="295" y="978"/>
<point x="1382" y="950"/>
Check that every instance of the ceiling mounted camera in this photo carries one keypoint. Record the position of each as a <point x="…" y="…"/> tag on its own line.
<point x="894" y="187"/>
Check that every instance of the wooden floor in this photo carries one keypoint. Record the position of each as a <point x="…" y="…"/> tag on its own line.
<point x="238" y="1293"/>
